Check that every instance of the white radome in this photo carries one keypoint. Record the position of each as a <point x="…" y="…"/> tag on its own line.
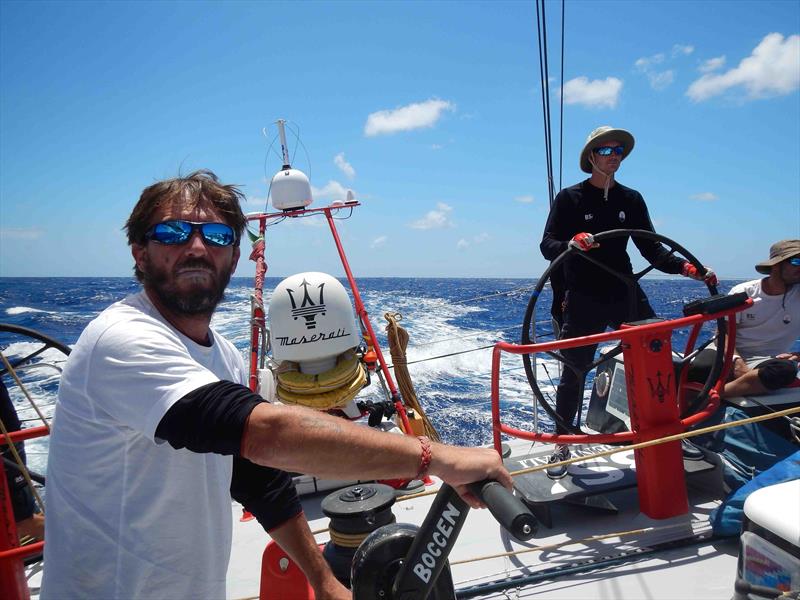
<point x="311" y="321"/>
<point x="290" y="189"/>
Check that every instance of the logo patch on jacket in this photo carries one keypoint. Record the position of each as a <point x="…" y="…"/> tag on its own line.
<point x="622" y="216"/>
<point x="588" y="217"/>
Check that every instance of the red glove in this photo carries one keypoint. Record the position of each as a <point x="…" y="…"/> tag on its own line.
<point x="689" y="270"/>
<point x="583" y="241"/>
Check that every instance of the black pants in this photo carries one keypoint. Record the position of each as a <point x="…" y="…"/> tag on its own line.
<point x="584" y="315"/>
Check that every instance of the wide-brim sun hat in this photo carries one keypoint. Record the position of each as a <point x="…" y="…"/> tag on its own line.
<point x="778" y="252"/>
<point x="601" y="135"/>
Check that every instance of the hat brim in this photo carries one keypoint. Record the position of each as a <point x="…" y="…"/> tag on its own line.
<point x="619" y="135"/>
<point x="765" y="268"/>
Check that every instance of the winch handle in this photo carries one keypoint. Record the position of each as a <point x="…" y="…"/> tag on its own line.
<point x="509" y="510"/>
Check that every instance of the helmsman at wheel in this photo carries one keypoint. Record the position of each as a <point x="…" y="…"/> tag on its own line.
<point x="593" y="299"/>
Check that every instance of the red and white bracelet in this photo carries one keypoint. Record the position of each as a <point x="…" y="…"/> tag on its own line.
<point x="425" y="456"/>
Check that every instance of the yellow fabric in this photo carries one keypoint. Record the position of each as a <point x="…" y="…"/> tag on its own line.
<point x="328" y="400"/>
<point x="294" y="381"/>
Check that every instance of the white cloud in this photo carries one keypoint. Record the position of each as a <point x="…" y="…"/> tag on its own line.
<point x="435" y="219"/>
<point x="21" y="234"/>
<point x="598" y="93"/>
<point x="660" y="80"/>
<point x="406" y="118"/>
<point x="436" y="146"/>
<point x="527" y="199"/>
<point x="705" y="197"/>
<point x="680" y="49"/>
<point x="254" y="204"/>
<point x="379" y="241"/>
<point x="478" y="239"/>
<point x="644" y="63"/>
<point x="344" y="166"/>
<point x="712" y="64"/>
<point x="333" y="190"/>
<point x="773" y="69"/>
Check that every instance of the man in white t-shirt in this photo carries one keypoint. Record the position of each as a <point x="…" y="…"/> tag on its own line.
<point x="767" y="331"/>
<point x="154" y="431"/>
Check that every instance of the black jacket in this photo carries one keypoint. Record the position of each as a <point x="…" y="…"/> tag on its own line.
<point x="583" y="208"/>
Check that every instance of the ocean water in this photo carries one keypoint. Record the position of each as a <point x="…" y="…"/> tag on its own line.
<point x="452" y="325"/>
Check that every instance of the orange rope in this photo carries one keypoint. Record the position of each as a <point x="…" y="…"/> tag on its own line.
<point x="398" y="342"/>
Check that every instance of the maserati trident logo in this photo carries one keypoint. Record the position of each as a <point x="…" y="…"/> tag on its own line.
<point x="308" y="309"/>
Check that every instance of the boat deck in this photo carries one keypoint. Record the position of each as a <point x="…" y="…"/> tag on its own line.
<point x="639" y="557"/>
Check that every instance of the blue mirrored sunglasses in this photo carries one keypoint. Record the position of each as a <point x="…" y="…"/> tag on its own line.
<point x="795" y="261"/>
<point x="179" y="232"/>
<point x="608" y="150"/>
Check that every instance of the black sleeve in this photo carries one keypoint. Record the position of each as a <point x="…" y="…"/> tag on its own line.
<point x="269" y="494"/>
<point x="555" y="240"/>
<point x="654" y="252"/>
<point x="209" y="419"/>
<point x="212" y="419"/>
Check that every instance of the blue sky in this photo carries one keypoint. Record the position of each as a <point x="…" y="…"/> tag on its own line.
<point x="429" y="111"/>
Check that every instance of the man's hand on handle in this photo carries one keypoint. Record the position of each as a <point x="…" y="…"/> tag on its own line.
<point x="583" y="241"/>
<point x="459" y="466"/>
<point x="690" y="271"/>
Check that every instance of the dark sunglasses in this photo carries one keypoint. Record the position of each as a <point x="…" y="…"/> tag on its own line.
<point x="178" y="232"/>
<point x="608" y="150"/>
<point x="795" y="261"/>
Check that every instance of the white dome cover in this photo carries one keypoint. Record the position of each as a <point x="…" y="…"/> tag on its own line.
<point x="290" y="189"/>
<point x="311" y="321"/>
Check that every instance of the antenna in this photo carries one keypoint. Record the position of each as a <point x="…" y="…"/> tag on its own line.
<point x="290" y="188"/>
<point x="281" y="123"/>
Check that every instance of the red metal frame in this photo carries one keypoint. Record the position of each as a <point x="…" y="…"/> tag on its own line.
<point x="361" y="311"/>
<point x="12" y="567"/>
<point x="257" y="316"/>
<point x="652" y="399"/>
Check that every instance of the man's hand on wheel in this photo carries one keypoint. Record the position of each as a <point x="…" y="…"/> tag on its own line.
<point x="690" y="271"/>
<point x="583" y="241"/>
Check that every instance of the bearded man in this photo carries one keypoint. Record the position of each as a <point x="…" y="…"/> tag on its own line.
<point x="155" y="431"/>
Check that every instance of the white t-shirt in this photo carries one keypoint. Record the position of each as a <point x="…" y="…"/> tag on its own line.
<point x="129" y="516"/>
<point x="771" y="326"/>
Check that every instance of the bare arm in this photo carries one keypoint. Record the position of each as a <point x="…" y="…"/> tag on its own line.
<point x="307" y="441"/>
<point x="739" y="365"/>
<point x="296" y="539"/>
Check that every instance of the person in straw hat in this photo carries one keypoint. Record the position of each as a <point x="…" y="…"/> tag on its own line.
<point x="592" y="299"/>
<point x="766" y="334"/>
<point x="767" y="331"/>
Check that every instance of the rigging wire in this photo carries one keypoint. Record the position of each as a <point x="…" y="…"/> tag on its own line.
<point x="524" y="288"/>
<point x="544" y="75"/>
<point x="561" y="103"/>
<point x="541" y="30"/>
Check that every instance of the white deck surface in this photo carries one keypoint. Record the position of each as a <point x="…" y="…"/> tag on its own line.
<point x="703" y="570"/>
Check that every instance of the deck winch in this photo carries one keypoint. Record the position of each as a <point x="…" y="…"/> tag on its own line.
<point x="355" y="512"/>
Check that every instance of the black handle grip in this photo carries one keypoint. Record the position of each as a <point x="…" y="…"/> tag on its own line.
<point x="509" y="510"/>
